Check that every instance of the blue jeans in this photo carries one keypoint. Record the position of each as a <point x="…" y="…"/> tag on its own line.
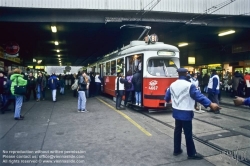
<point x="19" y="103"/>
<point x="87" y="93"/>
<point x="81" y="100"/>
<point x="187" y="127"/>
<point x="38" y="93"/>
<point x="138" y="97"/>
<point x="62" y="90"/>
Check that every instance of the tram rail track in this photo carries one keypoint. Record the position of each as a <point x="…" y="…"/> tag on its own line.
<point x="209" y="144"/>
<point x="204" y="142"/>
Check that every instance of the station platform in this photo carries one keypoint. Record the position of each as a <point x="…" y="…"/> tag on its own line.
<point x="54" y="133"/>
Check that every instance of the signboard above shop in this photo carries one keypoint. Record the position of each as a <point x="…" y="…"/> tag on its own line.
<point x="12" y="49"/>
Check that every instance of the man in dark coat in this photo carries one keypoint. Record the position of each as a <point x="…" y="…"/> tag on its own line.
<point x="31" y="86"/>
<point x="2" y="83"/>
<point x="137" y="82"/>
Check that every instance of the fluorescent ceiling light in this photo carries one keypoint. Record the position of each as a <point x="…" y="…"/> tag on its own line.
<point x="182" y="44"/>
<point x="226" y="33"/>
<point x="53" y="28"/>
<point x="57" y="50"/>
<point x="58" y="55"/>
<point x="56" y="43"/>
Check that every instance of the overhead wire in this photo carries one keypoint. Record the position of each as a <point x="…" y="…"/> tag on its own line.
<point x="206" y="13"/>
<point x="143" y="11"/>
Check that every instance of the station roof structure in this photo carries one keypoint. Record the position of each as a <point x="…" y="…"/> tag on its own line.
<point x="84" y="36"/>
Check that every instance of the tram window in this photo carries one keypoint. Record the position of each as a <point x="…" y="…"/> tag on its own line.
<point x="113" y="67"/>
<point x="134" y="63"/>
<point x="162" y="67"/>
<point x="107" y="68"/>
<point x="120" y="65"/>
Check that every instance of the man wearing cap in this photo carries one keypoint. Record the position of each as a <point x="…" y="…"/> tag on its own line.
<point x="214" y="89"/>
<point x="183" y="95"/>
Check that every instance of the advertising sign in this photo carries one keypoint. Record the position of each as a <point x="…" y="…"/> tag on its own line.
<point x="11" y="49"/>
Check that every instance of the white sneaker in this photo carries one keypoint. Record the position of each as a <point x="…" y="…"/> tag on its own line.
<point x="78" y="110"/>
<point x="83" y="111"/>
<point x="136" y="103"/>
<point x="139" y="104"/>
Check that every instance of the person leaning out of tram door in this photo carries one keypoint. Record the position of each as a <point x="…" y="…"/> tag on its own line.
<point x="214" y="89"/>
<point x="129" y="89"/>
<point x="183" y="94"/>
<point x="40" y="86"/>
<point x="195" y="82"/>
<point x="120" y="81"/>
<point x="31" y="87"/>
<point x="17" y="79"/>
<point x="137" y="82"/>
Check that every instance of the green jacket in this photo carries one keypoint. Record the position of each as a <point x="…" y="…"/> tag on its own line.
<point x="13" y="79"/>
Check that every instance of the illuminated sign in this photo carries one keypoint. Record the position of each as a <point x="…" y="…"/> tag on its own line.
<point x="191" y="60"/>
<point x="153" y="38"/>
<point x="166" y="53"/>
<point x="12" y="48"/>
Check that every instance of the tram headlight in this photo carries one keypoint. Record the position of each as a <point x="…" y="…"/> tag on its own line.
<point x="166" y="53"/>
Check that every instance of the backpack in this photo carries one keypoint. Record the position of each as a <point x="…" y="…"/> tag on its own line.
<point x="128" y="85"/>
<point x="75" y="85"/>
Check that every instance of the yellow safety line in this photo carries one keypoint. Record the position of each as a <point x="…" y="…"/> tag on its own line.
<point x="127" y="117"/>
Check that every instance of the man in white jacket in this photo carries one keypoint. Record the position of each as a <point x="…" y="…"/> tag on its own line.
<point x="119" y="90"/>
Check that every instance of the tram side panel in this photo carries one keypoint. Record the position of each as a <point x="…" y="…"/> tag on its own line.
<point x="109" y="85"/>
<point x="154" y="91"/>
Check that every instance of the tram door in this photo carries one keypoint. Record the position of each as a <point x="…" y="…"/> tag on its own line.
<point x="134" y="63"/>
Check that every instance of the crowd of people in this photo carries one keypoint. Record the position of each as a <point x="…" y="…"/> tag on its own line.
<point x="80" y="83"/>
<point x="235" y="84"/>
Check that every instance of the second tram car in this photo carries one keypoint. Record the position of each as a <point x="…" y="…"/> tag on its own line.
<point x="157" y="61"/>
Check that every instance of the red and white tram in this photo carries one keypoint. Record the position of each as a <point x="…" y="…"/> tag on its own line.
<point x="158" y="62"/>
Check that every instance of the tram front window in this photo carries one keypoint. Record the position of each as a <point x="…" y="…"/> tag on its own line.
<point x="163" y="67"/>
